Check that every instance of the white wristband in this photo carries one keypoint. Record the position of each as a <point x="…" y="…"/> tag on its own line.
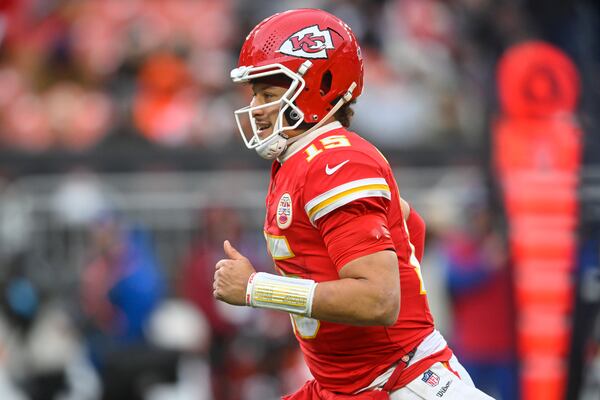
<point x="294" y="295"/>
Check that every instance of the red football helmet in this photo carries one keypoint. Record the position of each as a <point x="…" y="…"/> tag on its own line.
<point x="320" y="56"/>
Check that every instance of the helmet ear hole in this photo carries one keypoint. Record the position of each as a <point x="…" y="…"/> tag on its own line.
<point x="326" y="81"/>
<point x="292" y="116"/>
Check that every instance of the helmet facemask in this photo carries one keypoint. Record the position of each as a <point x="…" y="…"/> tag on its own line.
<point x="275" y="143"/>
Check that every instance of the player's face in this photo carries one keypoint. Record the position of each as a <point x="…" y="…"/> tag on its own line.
<point x="266" y="117"/>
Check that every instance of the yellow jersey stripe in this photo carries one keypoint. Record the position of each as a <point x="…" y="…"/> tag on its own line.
<point x="333" y="199"/>
<point x="342" y="188"/>
<point x="351" y="194"/>
<point x="361" y="194"/>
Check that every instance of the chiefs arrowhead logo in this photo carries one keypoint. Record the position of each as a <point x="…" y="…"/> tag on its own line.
<point x="310" y="42"/>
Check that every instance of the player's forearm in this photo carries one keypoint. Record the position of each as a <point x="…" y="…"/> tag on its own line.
<point x="356" y="302"/>
<point x="367" y="293"/>
<point x="350" y="300"/>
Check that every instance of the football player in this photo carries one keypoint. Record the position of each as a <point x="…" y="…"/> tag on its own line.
<point x="347" y="268"/>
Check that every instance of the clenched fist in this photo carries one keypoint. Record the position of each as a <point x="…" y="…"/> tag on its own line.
<point x="231" y="276"/>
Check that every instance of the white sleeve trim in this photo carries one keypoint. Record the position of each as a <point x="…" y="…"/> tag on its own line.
<point x="341" y="195"/>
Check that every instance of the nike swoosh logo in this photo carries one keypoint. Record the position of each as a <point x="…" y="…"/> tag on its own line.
<point x="331" y="171"/>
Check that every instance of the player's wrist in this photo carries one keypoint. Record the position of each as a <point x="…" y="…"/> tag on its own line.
<point x="293" y="295"/>
<point x="249" y="287"/>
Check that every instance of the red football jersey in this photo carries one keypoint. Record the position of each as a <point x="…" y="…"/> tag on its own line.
<point x="323" y="197"/>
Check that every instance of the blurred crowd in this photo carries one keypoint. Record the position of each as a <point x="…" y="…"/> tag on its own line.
<point x="129" y="328"/>
<point x="129" y="323"/>
<point x="77" y="73"/>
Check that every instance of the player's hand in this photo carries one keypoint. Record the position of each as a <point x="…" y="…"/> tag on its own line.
<point x="231" y="276"/>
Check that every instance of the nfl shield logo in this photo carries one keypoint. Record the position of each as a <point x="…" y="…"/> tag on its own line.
<point x="430" y="378"/>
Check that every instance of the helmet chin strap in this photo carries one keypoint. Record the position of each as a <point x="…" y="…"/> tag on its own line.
<point x="345" y="98"/>
<point x="272" y="147"/>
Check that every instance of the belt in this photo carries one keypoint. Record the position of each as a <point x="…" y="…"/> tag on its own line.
<point x="402" y="364"/>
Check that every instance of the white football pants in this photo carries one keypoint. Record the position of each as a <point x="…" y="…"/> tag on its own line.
<point x="439" y="383"/>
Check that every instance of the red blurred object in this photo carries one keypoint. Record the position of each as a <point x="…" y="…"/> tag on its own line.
<point x="543" y="378"/>
<point x="526" y="143"/>
<point x="544" y="331"/>
<point x="537" y="156"/>
<point x="537" y="79"/>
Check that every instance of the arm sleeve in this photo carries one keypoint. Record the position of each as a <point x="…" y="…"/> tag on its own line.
<point x="416" y="231"/>
<point x="348" y="206"/>
<point x="355" y="230"/>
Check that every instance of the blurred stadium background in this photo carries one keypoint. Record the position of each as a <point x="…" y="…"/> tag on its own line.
<point x="121" y="172"/>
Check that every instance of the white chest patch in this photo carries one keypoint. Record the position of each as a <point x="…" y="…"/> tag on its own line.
<point x="284" y="211"/>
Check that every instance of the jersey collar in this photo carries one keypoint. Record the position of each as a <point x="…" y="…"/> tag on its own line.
<point x="303" y="140"/>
